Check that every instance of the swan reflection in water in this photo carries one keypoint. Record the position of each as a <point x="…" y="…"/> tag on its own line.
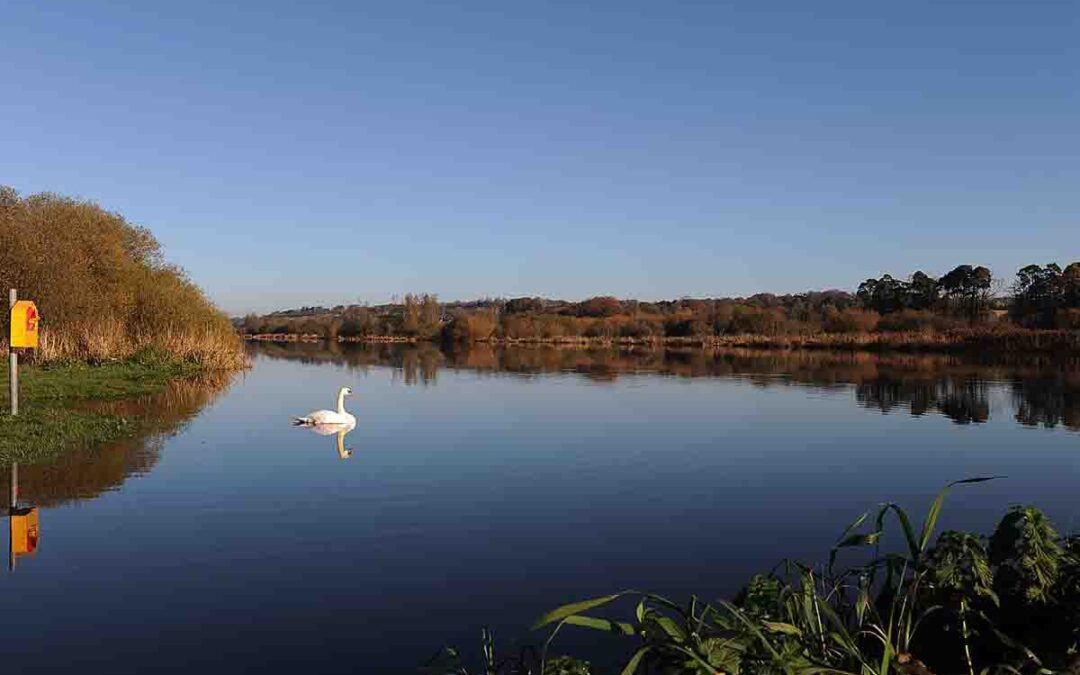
<point x="327" y="422"/>
<point x="338" y="430"/>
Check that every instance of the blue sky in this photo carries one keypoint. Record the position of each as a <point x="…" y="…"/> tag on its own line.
<point x="289" y="153"/>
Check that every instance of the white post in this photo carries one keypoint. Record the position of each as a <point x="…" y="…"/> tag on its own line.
<point x="13" y="362"/>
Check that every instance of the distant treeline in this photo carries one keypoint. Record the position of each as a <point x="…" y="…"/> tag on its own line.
<point x="1041" y="297"/>
<point x="103" y="286"/>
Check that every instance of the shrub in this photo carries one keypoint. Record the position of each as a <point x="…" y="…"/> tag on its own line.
<point x="641" y="329"/>
<point x="103" y="286"/>
<point x="849" y="320"/>
<point x="601" y="306"/>
<point x="517" y="326"/>
<point x="758" y="321"/>
<point x="687" y="328"/>
<point x="1024" y="548"/>
<point x="602" y="328"/>
<point x="468" y="326"/>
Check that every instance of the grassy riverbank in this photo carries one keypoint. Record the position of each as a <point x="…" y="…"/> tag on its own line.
<point x="57" y="403"/>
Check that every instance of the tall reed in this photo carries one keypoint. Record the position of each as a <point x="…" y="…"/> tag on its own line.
<point x="914" y="607"/>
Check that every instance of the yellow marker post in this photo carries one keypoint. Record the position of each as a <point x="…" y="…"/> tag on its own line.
<point x="24" y="324"/>
<point x="24" y="335"/>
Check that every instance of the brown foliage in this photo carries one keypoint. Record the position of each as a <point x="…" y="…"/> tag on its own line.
<point x="1068" y="319"/>
<point x="601" y="306"/>
<point x="102" y="286"/>
<point x="758" y="320"/>
<point x="849" y="320"/>
<point x="470" y="326"/>
<point x="912" y="320"/>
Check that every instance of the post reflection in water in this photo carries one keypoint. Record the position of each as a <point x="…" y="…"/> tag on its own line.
<point x="24" y="532"/>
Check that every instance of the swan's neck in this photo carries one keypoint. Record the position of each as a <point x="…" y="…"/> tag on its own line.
<point x="341" y="402"/>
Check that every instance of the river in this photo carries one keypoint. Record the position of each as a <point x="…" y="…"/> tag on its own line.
<point x="484" y="486"/>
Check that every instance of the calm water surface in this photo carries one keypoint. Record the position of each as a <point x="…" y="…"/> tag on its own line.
<point x="487" y="486"/>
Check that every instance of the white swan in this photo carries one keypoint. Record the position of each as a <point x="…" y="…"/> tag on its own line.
<point x="320" y="417"/>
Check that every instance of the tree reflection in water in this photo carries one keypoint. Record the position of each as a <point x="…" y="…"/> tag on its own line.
<point x="963" y="399"/>
<point x="1043" y="391"/>
<point x="84" y="473"/>
<point x="1048" y="400"/>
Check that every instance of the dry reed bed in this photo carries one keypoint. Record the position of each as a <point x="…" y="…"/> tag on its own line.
<point x="975" y="339"/>
<point x="210" y="347"/>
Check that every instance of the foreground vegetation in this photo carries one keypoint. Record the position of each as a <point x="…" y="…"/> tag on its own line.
<point x="957" y="311"/>
<point x="64" y="406"/>
<point x="1009" y="603"/>
<point x="103" y="287"/>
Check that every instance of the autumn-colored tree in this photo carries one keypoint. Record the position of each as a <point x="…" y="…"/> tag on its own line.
<point x="430" y="315"/>
<point x="849" y="320"/>
<point x="523" y="305"/>
<point x="475" y="325"/>
<point x="600" y="306"/>
<point x="410" y="319"/>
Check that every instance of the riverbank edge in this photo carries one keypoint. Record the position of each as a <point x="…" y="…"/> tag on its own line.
<point x="56" y="411"/>
<point x="956" y="341"/>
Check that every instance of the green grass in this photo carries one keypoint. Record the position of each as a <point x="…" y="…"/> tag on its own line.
<point x="887" y="602"/>
<point x="109" y="381"/>
<point x="55" y="411"/>
<point x="39" y="434"/>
